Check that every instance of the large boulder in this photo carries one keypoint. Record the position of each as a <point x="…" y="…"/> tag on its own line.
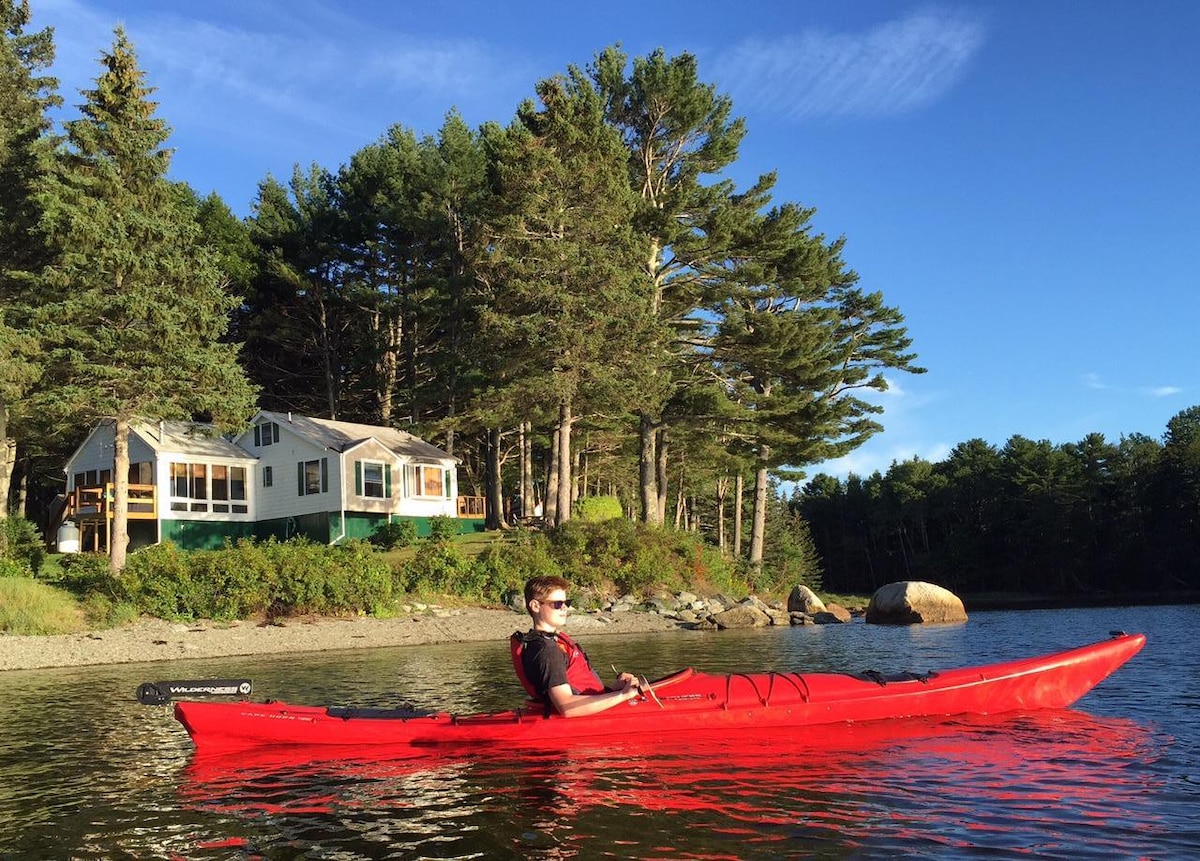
<point x="910" y="602"/>
<point x="804" y="600"/>
<point x="742" y="616"/>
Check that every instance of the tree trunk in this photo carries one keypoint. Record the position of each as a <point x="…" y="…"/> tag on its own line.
<point x="495" y="482"/>
<point x="722" y="492"/>
<point x="550" y="504"/>
<point x="758" y="530"/>
<point x="660" y="470"/>
<point x="528" y="501"/>
<point x="8" y="457"/>
<point x="564" y="463"/>
<point x="118" y="536"/>
<point x="647" y="465"/>
<point x="739" y="493"/>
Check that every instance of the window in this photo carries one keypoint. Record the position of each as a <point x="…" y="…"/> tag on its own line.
<point x="229" y="489"/>
<point x="193" y="485"/>
<point x="426" y="481"/>
<point x="268" y="476"/>
<point x="189" y="487"/>
<point x="313" y="476"/>
<point x="372" y="479"/>
<point x="266" y="433"/>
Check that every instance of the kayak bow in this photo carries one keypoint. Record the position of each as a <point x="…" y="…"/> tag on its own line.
<point x="690" y="702"/>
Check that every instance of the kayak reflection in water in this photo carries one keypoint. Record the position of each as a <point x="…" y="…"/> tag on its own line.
<point x="552" y="667"/>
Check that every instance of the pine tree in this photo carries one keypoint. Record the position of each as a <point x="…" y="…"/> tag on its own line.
<point x="25" y="151"/>
<point x="135" y="306"/>
<point x="565" y="308"/>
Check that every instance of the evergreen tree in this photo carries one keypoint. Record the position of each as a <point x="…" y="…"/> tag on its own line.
<point x="135" y="306"/>
<point x="564" y="304"/>
<point x="25" y="154"/>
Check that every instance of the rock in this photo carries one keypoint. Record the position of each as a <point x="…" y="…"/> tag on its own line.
<point x="687" y="616"/>
<point x="755" y="602"/>
<point x="687" y="597"/>
<point x="910" y="602"/>
<point x="838" y="612"/>
<point x="779" y="616"/>
<point x="827" y="618"/>
<point x="704" y="625"/>
<point x="742" y="616"/>
<point x="804" y="600"/>
<point x="801" y="619"/>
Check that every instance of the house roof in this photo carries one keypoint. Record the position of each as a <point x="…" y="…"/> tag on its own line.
<point x="343" y="436"/>
<point x="193" y="438"/>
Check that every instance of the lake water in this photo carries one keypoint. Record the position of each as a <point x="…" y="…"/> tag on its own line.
<point x="87" y="773"/>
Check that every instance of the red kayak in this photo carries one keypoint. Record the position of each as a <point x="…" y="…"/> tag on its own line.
<point x="686" y="702"/>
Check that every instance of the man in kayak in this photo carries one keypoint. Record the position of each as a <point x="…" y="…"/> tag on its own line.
<point x="552" y="667"/>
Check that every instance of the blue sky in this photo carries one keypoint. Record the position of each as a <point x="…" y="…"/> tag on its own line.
<point x="1021" y="179"/>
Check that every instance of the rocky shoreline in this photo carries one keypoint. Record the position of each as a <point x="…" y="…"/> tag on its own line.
<point x="150" y="640"/>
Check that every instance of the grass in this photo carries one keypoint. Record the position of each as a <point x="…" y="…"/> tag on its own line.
<point x="30" y="607"/>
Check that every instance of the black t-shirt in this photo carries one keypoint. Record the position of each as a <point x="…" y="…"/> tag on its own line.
<point x="545" y="663"/>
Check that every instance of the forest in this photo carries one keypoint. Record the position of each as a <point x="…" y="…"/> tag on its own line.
<point x="576" y="303"/>
<point x="1109" y="521"/>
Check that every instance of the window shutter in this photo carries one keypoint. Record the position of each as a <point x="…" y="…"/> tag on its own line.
<point x="324" y="475"/>
<point x="358" y="477"/>
<point x="446" y="477"/>
<point x="387" y="481"/>
<point x="300" y="476"/>
<point x="257" y="436"/>
<point x="275" y="431"/>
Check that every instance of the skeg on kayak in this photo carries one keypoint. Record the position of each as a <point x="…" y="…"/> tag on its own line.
<point x="684" y="702"/>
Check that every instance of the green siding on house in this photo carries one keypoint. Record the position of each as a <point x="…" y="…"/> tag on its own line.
<point x="327" y="526"/>
<point x="204" y="534"/>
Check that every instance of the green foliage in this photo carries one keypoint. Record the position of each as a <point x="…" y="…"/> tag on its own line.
<point x="14" y="567"/>
<point x="397" y="533"/>
<point x="443" y="529"/>
<point x="23" y="543"/>
<point x="593" y="509"/>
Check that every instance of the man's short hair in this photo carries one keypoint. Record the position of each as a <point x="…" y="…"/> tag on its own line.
<point x="537" y="588"/>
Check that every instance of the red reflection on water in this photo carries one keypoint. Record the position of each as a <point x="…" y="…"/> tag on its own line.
<point x="1047" y="773"/>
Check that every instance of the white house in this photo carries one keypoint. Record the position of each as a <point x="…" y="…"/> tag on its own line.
<point x="334" y="480"/>
<point x="186" y="484"/>
<point x="286" y="475"/>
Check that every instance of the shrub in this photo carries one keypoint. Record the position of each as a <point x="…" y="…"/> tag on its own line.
<point x="442" y="568"/>
<point x="14" y="568"/>
<point x="23" y="543"/>
<point x="596" y="509"/>
<point x="443" y="529"/>
<point x="398" y="533"/>
<point x="87" y="573"/>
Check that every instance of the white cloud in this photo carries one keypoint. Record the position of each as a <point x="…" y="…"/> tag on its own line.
<point x="896" y="68"/>
<point x="1164" y="391"/>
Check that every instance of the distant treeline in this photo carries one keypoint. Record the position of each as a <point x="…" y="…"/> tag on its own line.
<point x="1085" y="519"/>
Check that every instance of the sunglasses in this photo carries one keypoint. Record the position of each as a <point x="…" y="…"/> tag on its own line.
<point x="557" y="605"/>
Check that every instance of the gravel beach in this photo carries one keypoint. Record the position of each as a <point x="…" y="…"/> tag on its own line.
<point x="156" y="640"/>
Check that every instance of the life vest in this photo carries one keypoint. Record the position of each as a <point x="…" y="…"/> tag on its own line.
<point x="580" y="675"/>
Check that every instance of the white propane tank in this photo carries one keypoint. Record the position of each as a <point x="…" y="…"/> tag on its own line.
<point x="68" y="537"/>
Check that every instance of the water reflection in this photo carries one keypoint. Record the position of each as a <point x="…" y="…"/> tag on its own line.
<point x="1029" y="783"/>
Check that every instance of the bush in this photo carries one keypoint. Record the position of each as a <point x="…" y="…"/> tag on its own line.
<point x="88" y="573"/>
<point x="443" y="529"/>
<point x="23" y="543"/>
<point x="398" y="533"/>
<point x="441" y="568"/>
<point x="596" y="509"/>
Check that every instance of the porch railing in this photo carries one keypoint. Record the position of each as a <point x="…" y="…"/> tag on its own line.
<point x="472" y="506"/>
<point x="94" y="503"/>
